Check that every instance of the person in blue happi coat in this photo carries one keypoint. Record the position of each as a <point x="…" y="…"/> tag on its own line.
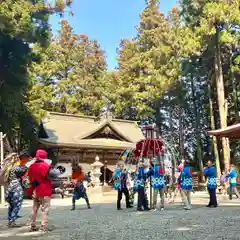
<point x="120" y="178"/>
<point x="185" y="181"/>
<point x="158" y="183"/>
<point x="139" y="187"/>
<point x="211" y="173"/>
<point x="232" y="176"/>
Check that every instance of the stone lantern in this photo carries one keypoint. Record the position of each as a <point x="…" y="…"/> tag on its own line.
<point x="96" y="171"/>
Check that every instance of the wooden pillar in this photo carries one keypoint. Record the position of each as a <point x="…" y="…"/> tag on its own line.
<point x="150" y="183"/>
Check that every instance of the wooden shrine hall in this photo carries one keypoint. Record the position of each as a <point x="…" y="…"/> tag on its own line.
<point x="82" y="139"/>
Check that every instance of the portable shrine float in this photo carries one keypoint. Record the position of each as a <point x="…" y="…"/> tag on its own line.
<point x="146" y="151"/>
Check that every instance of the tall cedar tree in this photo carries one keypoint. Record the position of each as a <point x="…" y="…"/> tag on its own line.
<point x="216" y="22"/>
<point x="150" y="62"/>
<point x="70" y="76"/>
<point x="21" y="24"/>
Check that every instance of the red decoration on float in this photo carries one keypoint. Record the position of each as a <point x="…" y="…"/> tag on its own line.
<point x="147" y="147"/>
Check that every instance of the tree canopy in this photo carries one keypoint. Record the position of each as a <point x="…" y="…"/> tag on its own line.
<point x="22" y="23"/>
<point x="181" y="71"/>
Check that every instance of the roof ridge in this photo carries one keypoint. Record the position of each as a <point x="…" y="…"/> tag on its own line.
<point x="86" y="116"/>
<point x="123" y="120"/>
<point x="70" y="115"/>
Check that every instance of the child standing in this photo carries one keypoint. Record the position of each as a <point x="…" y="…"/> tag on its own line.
<point x="177" y="187"/>
<point x="223" y="183"/>
<point x="167" y="189"/>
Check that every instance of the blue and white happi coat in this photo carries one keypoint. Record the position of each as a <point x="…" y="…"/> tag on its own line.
<point x="233" y="178"/>
<point x="186" y="179"/>
<point x="158" y="180"/>
<point x="140" y="178"/>
<point x="117" y="179"/>
<point x="211" y="174"/>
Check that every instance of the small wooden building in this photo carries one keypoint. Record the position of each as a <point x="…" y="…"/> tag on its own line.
<point x="232" y="131"/>
<point x="81" y="139"/>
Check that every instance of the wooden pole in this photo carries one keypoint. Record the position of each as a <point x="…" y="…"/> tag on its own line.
<point x="1" y="161"/>
<point x="151" y="192"/>
<point x="151" y="198"/>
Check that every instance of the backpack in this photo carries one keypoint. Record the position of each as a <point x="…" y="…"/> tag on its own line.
<point x="8" y="163"/>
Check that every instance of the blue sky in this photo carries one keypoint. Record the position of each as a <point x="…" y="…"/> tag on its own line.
<point x="107" y="21"/>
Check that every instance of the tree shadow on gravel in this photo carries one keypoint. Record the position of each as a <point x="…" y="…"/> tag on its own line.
<point x="61" y="219"/>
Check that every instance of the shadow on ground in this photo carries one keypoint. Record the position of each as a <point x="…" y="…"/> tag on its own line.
<point x="104" y="222"/>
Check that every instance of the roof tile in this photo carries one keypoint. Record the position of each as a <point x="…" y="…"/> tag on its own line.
<point x="70" y="129"/>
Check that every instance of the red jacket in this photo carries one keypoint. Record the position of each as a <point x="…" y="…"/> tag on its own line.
<point x="37" y="172"/>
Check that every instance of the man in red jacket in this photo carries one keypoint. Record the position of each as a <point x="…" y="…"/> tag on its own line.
<point x="41" y="189"/>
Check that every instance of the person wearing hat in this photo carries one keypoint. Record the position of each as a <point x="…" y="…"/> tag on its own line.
<point x="158" y="183"/>
<point x="40" y="175"/>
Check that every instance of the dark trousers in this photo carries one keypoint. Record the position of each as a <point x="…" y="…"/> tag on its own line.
<point x="213" y="197"/>
<point x="126" y="193"/>
<point x="142" y="199"/>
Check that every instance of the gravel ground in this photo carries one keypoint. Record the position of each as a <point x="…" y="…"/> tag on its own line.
<point x="104" y="222"/>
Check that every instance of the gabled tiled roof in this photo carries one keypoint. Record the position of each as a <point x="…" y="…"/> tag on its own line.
<point x="75" y="131"/>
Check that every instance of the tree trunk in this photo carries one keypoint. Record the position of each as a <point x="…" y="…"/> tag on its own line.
<point x="173" y="157"/>
<point x="235" y="89"/>
<point x="197" y="130"/>
<point x="170" y="118"/>
<point x="181" y="136"/>
<point x="7" y="146"/>
<point x="221" y="98"/>
<point x="214" y="139"/>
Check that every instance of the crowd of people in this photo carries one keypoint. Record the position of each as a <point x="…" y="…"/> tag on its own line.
<point x="159" y="179"/>
<point x="22" y="175"/>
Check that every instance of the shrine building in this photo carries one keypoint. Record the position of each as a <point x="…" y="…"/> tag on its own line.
<point x="83" y="139"/>
<point x="232" y="132"/>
